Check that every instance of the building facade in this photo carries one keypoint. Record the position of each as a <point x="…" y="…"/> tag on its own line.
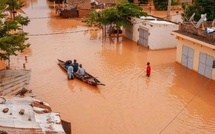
<point x="196" y="53"/>
<point x="152" y="33"/>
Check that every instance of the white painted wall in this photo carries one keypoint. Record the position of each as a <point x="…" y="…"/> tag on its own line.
<point x="160" y="36"/>
<point x="160" y="33"/>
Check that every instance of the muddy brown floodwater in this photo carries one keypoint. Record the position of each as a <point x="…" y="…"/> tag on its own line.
<point x="174" y="100"/>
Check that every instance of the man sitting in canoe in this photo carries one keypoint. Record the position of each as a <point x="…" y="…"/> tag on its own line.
<point x="81" y="71"/>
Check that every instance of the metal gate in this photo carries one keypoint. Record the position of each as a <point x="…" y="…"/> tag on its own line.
<point x="143" y="37"/>
<point x="187" y="57"/>
<point x="129" y="32"/>
<point x="205" y="65"/>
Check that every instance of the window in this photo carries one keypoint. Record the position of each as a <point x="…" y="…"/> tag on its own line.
<point x="213" y="64"/>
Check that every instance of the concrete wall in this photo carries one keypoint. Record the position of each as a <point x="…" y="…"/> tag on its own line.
<point x="159" y="33"/>
<point x="160" y="36"/>
<point x="198" y="47"/>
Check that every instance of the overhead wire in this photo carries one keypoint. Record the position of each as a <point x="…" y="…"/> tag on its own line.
<point x="41" y="34"/>
<point x="198" y="91"/>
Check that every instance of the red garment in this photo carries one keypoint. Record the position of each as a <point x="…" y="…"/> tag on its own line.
<point x="148" y="70"/>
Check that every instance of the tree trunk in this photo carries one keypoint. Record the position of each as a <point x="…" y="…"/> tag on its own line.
<point x="8" y="65"/>
<point x="117" y="33"/>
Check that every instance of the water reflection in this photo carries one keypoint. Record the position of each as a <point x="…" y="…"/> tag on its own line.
<point x="59" y="24"/>
<point x="74" y="85"/>
<point x="28" y="3"/>
<point x="193" y="102"/>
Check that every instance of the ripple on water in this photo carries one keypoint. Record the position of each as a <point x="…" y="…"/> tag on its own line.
<point x="130" y="103"/>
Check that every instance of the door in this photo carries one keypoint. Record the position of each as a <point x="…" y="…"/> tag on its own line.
<point x="129" y="32"/>
<point x="205" y="67"/>
<point x="143" y="37"/>
<point x="187" y="57"/>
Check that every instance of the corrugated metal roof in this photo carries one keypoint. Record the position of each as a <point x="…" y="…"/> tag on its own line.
<point x="13" y="81"/>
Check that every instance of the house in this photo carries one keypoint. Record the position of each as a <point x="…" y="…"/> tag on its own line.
<point x="28" y="115"/>
<point x="151" y="32"/>
<point x="196" y="49"/>
<point x="23" y="114"/>
<point x="13" y="81"/>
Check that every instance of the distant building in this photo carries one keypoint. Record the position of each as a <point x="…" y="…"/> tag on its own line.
<point x="196" y="49"/>
<point x="152" y="32"/>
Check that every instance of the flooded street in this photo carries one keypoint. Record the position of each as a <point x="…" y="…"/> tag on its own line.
<point x="173" y="100"/>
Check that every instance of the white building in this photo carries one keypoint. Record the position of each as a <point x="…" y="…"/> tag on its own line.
<point x="152" y="33"/>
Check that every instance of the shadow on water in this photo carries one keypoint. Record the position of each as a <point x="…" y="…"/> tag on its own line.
<point x="77" y="85"/>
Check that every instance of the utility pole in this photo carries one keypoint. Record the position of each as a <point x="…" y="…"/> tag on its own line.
<point x="168" y="10"/>
<point x="13" y="10"/>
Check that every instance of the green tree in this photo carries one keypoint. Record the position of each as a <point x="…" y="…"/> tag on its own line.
<point x="13" y="5"/>
<point x="143" y="1"/>
<point x="131" y="1"/>
<point x="118" y="15"/>
<point x="93" y="19"/>
<point x="161" y="4"/>
<point x="200" y="7"/>
<point x="12" y="37"/>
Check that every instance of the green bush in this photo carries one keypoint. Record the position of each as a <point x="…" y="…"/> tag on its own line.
<point x="161" y="4"/>
<point x="143" y="1"/>
<point x="131" y="1"/>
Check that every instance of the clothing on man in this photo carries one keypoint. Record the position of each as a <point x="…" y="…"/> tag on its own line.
<point x="148" y="69"/>
<point x="70" y="72"/>
<point x="81" y="71"/>
<point x="75" y="66"/>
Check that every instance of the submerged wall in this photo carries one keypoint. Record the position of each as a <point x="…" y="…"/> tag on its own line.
<point x="2" y="65"/>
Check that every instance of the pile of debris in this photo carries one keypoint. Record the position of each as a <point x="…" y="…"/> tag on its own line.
<point x="20" y="112"/>
<point x="200" y="32"/>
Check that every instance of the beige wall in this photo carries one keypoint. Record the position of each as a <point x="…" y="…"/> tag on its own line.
<point x="197" y="49"/>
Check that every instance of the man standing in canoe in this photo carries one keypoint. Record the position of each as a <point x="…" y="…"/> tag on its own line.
<point x="75" y="66"/>
<point x="70" y="72"/>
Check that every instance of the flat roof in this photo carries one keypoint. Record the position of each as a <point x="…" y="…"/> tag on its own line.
<point x="162" y="22"/>
<point x="198" y="39"/>
<point x="33" y="117"/>
<point x="148" y="17"/>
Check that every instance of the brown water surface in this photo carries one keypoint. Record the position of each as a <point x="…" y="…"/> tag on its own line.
<point x="174" y="100"/>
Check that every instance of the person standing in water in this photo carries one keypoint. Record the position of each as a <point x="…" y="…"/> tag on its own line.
<point x="148" y="69"/>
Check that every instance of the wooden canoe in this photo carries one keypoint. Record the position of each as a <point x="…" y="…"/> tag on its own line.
<point x="87" y="78"/>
